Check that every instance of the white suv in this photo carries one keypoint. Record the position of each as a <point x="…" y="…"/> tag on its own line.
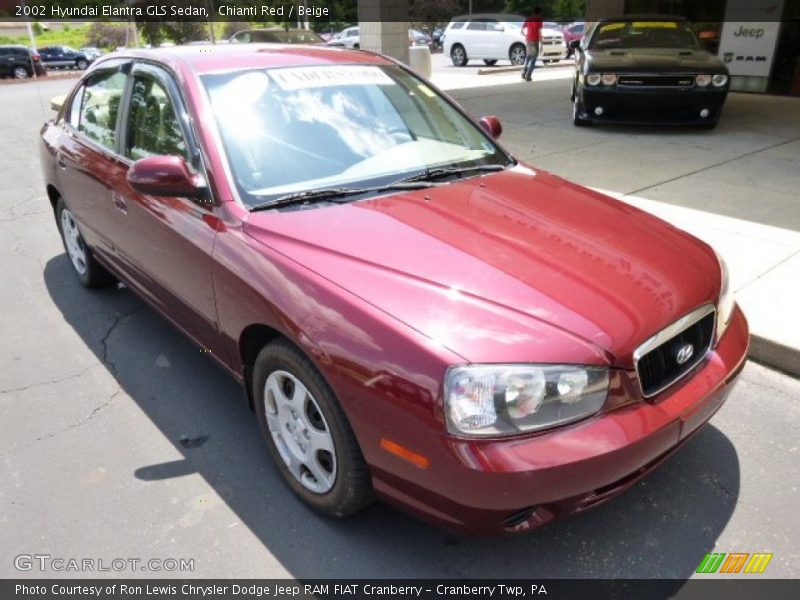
<point x="493" y="37"/>
<point x="349" y="38"/>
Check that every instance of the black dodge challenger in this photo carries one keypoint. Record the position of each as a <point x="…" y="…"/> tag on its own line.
<point x="645" y="70"/>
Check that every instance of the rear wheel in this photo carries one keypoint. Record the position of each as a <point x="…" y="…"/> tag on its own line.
<point x="458" y="55"/>
<point x="20" y="73"/>
<point x="490" y="62"/>
<point x="307" y="432"/>
<point x="90" y="273"/>
<point x="516" y="55"/>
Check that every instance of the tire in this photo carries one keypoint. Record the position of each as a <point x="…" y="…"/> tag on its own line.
<point x="90" y="273"/>
<point x="459" y="55"/>
<point x="709" y="125"/>
<point x="577" y="109"/>
<point x="516" y="54"/>
<point x="490" y="62"/>
<point x="356" y="46"/>
<point x="20" y="73"/>
<point x="82" y="65"/>
<point x="341" y="486"/>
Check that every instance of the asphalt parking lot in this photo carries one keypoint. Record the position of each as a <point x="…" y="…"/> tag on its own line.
<point x="122" y="440"/>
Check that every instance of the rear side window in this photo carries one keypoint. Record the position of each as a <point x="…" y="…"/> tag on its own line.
<point x="456" y="25"/>
<point x="477" y="26"/>
<point x="100" y="108"/>
<point x="153" y="126"/>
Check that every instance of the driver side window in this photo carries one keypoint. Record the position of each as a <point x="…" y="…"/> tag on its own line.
<point x="153" y="126"/>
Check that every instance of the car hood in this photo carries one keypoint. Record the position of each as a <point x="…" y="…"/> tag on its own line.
<point x="654" y="59"/>
<point x="517" y="266"/>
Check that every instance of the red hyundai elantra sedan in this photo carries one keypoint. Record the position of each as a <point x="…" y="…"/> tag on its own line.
<point x="414" y="314"/>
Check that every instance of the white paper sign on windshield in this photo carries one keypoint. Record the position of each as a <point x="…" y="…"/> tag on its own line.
<point x="300" y="78"/>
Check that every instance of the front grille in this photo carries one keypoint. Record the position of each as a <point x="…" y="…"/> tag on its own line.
<point x="656" y="81"/>
<point x="672" y="353"/>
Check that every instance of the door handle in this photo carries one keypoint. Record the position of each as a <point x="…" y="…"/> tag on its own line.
<point x="119" y="203"/>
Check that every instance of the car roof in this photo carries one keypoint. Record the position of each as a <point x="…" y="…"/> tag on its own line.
<point x="641" y="17"/>
<point x="502" y="17"/>
<point x="14" y="46"/>
<point x="223" y="57"/>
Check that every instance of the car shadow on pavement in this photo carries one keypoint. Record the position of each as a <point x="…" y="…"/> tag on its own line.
<point x="660" y="528"/>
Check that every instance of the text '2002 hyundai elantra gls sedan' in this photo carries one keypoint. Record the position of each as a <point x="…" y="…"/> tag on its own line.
<point x="415" y="314"/>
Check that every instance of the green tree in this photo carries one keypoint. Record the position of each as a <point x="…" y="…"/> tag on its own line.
<point x="106" y="35"/>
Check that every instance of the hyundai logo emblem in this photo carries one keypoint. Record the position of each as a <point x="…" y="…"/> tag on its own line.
<point x="684" y="354"/>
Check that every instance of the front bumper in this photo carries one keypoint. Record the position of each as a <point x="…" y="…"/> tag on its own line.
<point x="515" y="485"/>
<point x="652" y="105"/>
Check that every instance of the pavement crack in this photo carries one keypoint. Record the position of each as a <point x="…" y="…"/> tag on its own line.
<point x="30" y="386"/>
<point x="119" y="319"/>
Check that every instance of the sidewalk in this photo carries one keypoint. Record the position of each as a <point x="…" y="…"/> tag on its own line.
<point x="737" y="187"/>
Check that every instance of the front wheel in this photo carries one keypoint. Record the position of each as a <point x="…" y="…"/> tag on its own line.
<point x="517" y="55"/>
<point x="307" y="432"/>
<point x="82" y="64"/>
<point x="20" y="73"/>
<point x="577" y="111"/>
<point x="90" y="273"/>
<point x="458" y="55"/>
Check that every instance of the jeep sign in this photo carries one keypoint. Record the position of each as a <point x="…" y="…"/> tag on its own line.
<point x="749" y="35"/>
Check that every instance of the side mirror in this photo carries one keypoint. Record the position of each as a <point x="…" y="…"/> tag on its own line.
<point x="166" y="176"/>
<point x="56" y="102"/>
<point x="575" y="44"/>
<point x="492" y="126"/>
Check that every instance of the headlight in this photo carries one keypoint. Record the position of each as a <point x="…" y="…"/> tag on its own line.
<point x="501" y="400"/>
<point x="702" y="80"/>
<point x="593" y="78"/>
<point x="719" y="80"/>
<point x="726" y="301"/>
<point x="609" y="79"/>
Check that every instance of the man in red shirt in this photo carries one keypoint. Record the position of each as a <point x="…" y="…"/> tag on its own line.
<point x="532" y="29"/>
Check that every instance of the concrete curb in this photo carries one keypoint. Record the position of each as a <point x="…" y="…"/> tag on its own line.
<point x="774" y="355"/>
<point x="491" y="70"/>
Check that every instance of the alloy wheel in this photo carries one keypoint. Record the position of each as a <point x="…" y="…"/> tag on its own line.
<point x="20" y="73"/>
<point x="517" y="55"/>
<point x="73" y="241"/>
<point x="459" y="56"/>
<point x="300" y="432"/>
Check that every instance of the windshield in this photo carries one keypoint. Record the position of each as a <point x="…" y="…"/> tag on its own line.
<point x="640" y="34"/>
<point x="304" y="128"/>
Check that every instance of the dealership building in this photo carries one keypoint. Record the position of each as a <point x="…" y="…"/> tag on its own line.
<point x="759" y="40"/>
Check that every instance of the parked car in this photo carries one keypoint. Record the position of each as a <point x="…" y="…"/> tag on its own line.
<point x="351" y="38"/>
<point x="418" y="38"/>
<point x="493" y="37"/>
<point x="92" y="52"/>
<point x="347" y="38"/>
<point x="64" y="57"/>
<point x="573" y="32"/>
<point x="276" y="35"/>
<point x="646" y="69"/>
<point x="413" y="313"/>
<point x="20" y="62"/>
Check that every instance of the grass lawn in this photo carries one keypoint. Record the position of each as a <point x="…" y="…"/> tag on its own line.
<point x="74" y="37"/>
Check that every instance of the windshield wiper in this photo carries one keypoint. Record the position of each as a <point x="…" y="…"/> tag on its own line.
<point x="338" y="194"/>
<point x="438" y="173"/>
